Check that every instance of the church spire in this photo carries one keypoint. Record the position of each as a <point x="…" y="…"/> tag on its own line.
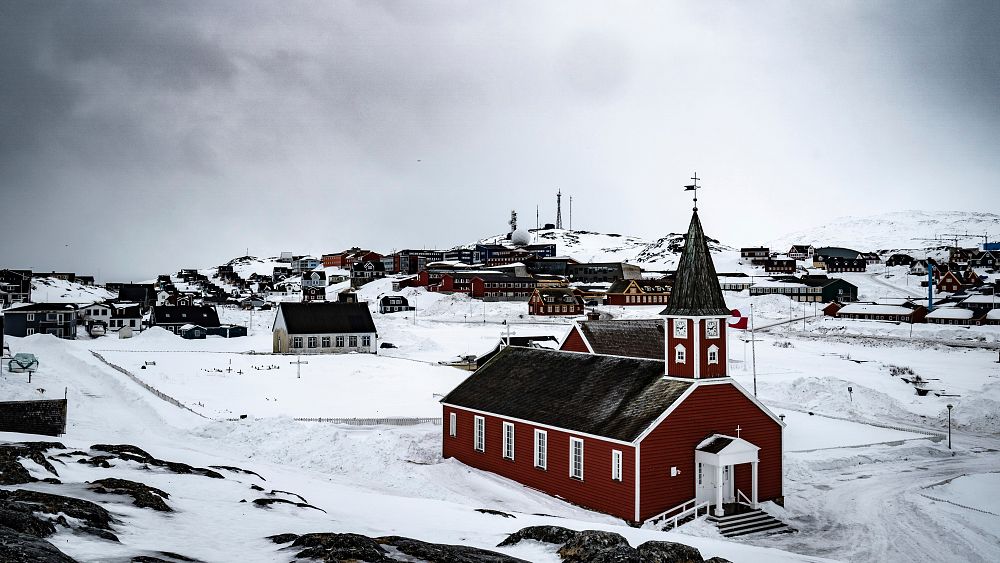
<point x="696" y="291"/>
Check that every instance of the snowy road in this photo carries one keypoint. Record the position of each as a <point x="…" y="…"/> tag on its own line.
<point x="869" y="506"/>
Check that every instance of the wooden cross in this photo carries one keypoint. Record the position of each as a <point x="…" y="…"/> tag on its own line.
<point x="298" y="366"/>
<point x="694" y="188"/>
<point x="240" y="372"/>
<point x="738" y="430"/>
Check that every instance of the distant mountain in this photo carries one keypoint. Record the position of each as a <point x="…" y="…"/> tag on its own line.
<point x="900" y="230"/>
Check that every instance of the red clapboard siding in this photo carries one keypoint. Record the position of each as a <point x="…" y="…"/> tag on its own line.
<point x="719" y="369"/>
<point x="596" y="491"/>
<point x="574" y="342"/>
<point x="687" y="368"/>
<point x="710" y="409"/>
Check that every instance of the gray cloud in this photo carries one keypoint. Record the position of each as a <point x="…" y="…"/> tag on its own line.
<point x="178" y="134"/>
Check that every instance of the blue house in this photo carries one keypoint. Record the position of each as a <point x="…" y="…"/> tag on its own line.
<point x="57" y="319"/>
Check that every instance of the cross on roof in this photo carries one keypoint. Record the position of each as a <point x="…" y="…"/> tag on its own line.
<point x="694" y="188"/>
<point x="738" y="430"/>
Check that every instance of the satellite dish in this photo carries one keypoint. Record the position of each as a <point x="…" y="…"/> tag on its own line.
<point x="520" y="237"/>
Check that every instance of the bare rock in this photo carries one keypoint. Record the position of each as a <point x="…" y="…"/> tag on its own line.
<point x="547" y="534"/>
<point x="443" y="553"/>
<point x="340" y="547"/>
<point x="267" y="502"/>
<point x="26" y="548"/>
<point x="584" y="546"/>
<point x="142" y="495"/>
<point x="132" y="453"/>
<point x="669" y="552"/>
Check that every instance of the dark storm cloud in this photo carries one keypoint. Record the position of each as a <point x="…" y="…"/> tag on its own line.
<point x="207" y="127"/>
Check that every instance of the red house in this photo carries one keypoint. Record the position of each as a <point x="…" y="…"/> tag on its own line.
<point x="636" y="438"/>
<point x="639" y="292"/>
<point x="555" y="301"/>
<point x="949" y="282"/>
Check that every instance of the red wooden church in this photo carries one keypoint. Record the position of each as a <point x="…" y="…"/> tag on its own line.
<point x="633" y="437"/>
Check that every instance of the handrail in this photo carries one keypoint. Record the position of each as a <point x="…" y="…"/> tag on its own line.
<point x="684" y="512"/>
<point x="740" y="494"/>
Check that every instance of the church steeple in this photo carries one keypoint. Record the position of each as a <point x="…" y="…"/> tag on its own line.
<point x="696" y="291"/>
<point x="696" y="312"/>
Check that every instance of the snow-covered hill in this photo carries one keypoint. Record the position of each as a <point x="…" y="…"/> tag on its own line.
<point x="588" y="246"/>
<point x="54" y="290"/>
<point x="898" y="230"/>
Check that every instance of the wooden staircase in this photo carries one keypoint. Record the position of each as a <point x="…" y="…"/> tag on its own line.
<point x="748" y="521"/>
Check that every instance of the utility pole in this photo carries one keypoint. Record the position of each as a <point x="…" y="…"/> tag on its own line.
<point x="571" y="213"/>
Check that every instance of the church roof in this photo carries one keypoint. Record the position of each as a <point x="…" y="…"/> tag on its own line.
<point x="607" y="396"/>
<point x="636" y="338"/>
<point x="696" y="290"/>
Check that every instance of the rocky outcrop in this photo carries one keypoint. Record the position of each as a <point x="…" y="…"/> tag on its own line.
<point x="495" y="512"/>
<point x="142" y="495"/>
<point x="12" y="472"/>
<point x="26" y="548"/>
<point x="585" y="546"/>
<point x="238" y="470"/>
<point x="90" y="514"/>
<point x="593" y="546"/>
<point x="267" y="502"/>
<point x="132" y="453"/>
<point x="339" y="547"/>
<point x="668" y="552"/>
<point x="547" y="534"/>
<point x="388" y="549"/>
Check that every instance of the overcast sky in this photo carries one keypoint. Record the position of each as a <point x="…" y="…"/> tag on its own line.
<point x="142" y="137"/>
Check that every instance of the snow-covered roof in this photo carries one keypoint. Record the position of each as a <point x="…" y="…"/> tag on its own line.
<point x="950" y="313"/>
<point x="777" y="283"/>
<point x="993" y="315"/>
<point x="874" y="309"/>
<point x="981" y="299"/>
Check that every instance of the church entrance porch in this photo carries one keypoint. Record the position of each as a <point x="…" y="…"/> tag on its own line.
<point x="719" y="461"/>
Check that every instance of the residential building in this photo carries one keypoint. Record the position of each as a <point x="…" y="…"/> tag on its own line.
<point x="57" y="319"/>
<point x="555" y="301"/>
<point x="173" y="317"/>
<point x="639" y="292"/>
<point x="801" y="252"/>
<point x="393" y="304"/>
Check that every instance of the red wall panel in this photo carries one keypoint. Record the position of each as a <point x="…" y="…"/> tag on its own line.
<point x="596" y="491"/>
<point x="574" y="342"/>
<point x="710" y="409"/>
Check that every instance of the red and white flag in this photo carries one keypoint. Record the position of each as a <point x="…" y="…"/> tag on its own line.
<point x="738" y="321"/>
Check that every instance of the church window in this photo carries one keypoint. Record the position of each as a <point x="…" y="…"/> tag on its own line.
<point x="713" y="354"/>
<point x="680" y="354"/>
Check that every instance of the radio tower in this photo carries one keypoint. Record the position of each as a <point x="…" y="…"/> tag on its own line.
<point x="559" y="209"/>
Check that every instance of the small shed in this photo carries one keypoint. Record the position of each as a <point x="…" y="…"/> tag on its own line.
<point x="192" y="332"/>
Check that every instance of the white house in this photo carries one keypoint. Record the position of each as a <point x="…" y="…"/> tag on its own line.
<point x="324" y="328"/>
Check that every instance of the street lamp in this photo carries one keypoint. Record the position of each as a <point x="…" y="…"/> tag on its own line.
<point x="949" y="424"/>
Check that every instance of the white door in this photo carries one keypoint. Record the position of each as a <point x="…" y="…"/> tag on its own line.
<point x="704" y="482"/>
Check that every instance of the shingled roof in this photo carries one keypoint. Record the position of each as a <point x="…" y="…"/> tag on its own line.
<point x="636" y="338"/>
<point x="696" y="290"/>
<point x="607" y="396"/>
<point x="327" y="318"/>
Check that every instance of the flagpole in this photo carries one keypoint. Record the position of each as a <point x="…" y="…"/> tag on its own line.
<point x="753" y="351"/>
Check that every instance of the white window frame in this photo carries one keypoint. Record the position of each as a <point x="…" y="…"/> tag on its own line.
<point x="479" y="435"/>
<point x="297" y="342"/>
<point x="576" y="470"/>
<point x="713" y="324"/>
<point x="31" y="317"/>
<point x="541" y="448"/>
<point x="700" y="470"/>
<point x="680" y="354"/>
<point x="713" y="354"/>
<point x="680" y="328"/>
<point x="508" y="440"/>
<point x="616" y="465"/>
<point x="452" y="424"/>
<point x="29" y="332"/>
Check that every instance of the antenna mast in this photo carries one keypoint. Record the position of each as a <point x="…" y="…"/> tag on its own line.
<point x="559" y="209"/>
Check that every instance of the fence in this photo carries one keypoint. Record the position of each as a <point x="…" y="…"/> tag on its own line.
<point x="383" y="421"/>
<point x="146" y="386"/>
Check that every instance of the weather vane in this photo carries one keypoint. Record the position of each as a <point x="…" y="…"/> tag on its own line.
<point x="694" y="188"/>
